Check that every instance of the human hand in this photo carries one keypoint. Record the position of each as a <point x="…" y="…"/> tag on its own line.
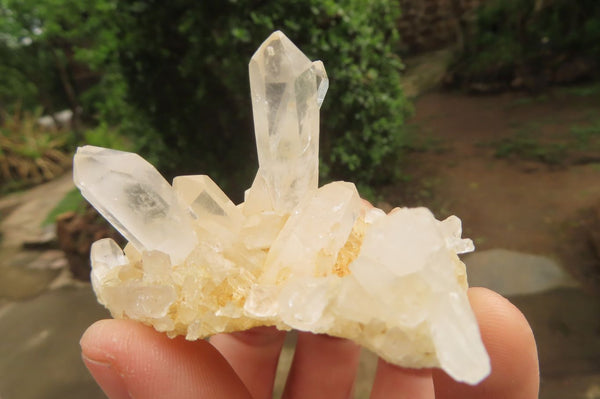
<point x="130" y="360"/>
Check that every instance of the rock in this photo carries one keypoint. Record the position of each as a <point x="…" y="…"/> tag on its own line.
<point x="75" y="234"/>
<point x="515" y="273"/>
<point x="60" y="120"/>
<point x="46" y="239"/>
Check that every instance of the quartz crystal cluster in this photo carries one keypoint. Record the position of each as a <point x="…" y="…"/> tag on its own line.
<point x="292" y="255"/>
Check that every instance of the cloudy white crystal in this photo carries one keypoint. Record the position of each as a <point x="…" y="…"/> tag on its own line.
<point x="136" y="199"/>
<point x="309" y="242"/>
<point x="292" y="255"/>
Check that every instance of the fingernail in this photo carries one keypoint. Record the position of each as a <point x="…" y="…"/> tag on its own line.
<point x="109" y="379"/>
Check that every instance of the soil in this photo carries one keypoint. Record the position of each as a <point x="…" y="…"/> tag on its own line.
<point x="527" y="202"/>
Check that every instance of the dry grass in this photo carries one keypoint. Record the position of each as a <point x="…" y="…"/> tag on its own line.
<point x="29" y="153"/>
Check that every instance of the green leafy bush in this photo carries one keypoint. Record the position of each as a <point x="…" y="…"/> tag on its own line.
<point x="185" y="63"/>
<point x="173" y="77"/>
<point x="531" y="39"/>
<point x="38" y="50"/>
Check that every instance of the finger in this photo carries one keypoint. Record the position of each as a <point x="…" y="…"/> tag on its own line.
<point x="323" y="367"/>
<point x="128" y="360"/>
<point x="253" y="354"/>
<point x="510" y="343"/>
<point x="395" y="382"/>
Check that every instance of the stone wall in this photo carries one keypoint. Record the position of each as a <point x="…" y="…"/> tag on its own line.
<point x="432" y="24"/>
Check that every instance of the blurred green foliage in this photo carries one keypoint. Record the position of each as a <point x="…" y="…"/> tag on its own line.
<point x="587" y="136"/>
<point x="526" y="146"/>
<point x="529" y="37"/>
<point x="141" y="67"/>
<point x="186" y="66"/>
<point x="71" y="202"/>
<point x="577" y="144"/>
<point x="39" y="47"/>
<point x="105" y="136"/>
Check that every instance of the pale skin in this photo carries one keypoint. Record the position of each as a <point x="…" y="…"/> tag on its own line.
<point x="130" y="360"/>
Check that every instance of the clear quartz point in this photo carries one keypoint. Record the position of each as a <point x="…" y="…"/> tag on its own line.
<point x="322" y="81"/>
<point x="287" y="90"/>
<point x="106" y="257"/>
<point x="136" y="199"/>
<point x="452" y="229"/>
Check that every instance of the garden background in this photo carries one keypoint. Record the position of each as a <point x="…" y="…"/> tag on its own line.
<point x="486" y="109"/>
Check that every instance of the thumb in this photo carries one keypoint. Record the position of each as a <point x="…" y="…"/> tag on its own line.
<point x="130" y="360"/>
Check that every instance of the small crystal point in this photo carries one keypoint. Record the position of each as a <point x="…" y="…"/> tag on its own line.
<point x="452" y="229"/>
<point x="287" y="90"/>
<point x="207" y="200"/>
<point x="257" y="198"/>
<point x="136" y="199"/>
<point x="106" y="252"/>
<point x="322" y="81"/>
<point x="106" y="257"/>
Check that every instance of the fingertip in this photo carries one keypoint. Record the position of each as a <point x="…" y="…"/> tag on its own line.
<point x="108" y="378"/>
<point x="100" y="360"/>
<point x="96" y="337"/>
<point x="503" y="323"/>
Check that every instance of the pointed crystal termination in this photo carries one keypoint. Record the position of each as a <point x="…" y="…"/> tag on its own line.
<point x="452" y="228"/>
<point x="136" y="199"/>
<point x="322" y="81"/>
<point x="207" y="200"/>
<point x="287" y="91"/>
<point x="106" y="257"/>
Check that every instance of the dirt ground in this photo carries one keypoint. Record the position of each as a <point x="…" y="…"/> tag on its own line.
<point x="534" y="201"/>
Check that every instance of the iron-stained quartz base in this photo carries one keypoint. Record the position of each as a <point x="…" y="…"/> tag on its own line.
<point x="292" y="255"/>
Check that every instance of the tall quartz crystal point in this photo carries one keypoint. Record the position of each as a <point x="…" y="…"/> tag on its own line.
<point x="136" y="199"/>
<point x="287" y="91"/>
<point x="293" y="255"/>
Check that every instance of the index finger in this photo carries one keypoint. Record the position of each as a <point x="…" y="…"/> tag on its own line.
<point x="253" y="354"/>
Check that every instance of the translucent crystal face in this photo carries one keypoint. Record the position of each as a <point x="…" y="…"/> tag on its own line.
<point x="287" y="91"/>
<point x="136" y="199"/>
<point x="292" y="255"/>
<point x="311" y="239"/>
<point x="207" y="201"/>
